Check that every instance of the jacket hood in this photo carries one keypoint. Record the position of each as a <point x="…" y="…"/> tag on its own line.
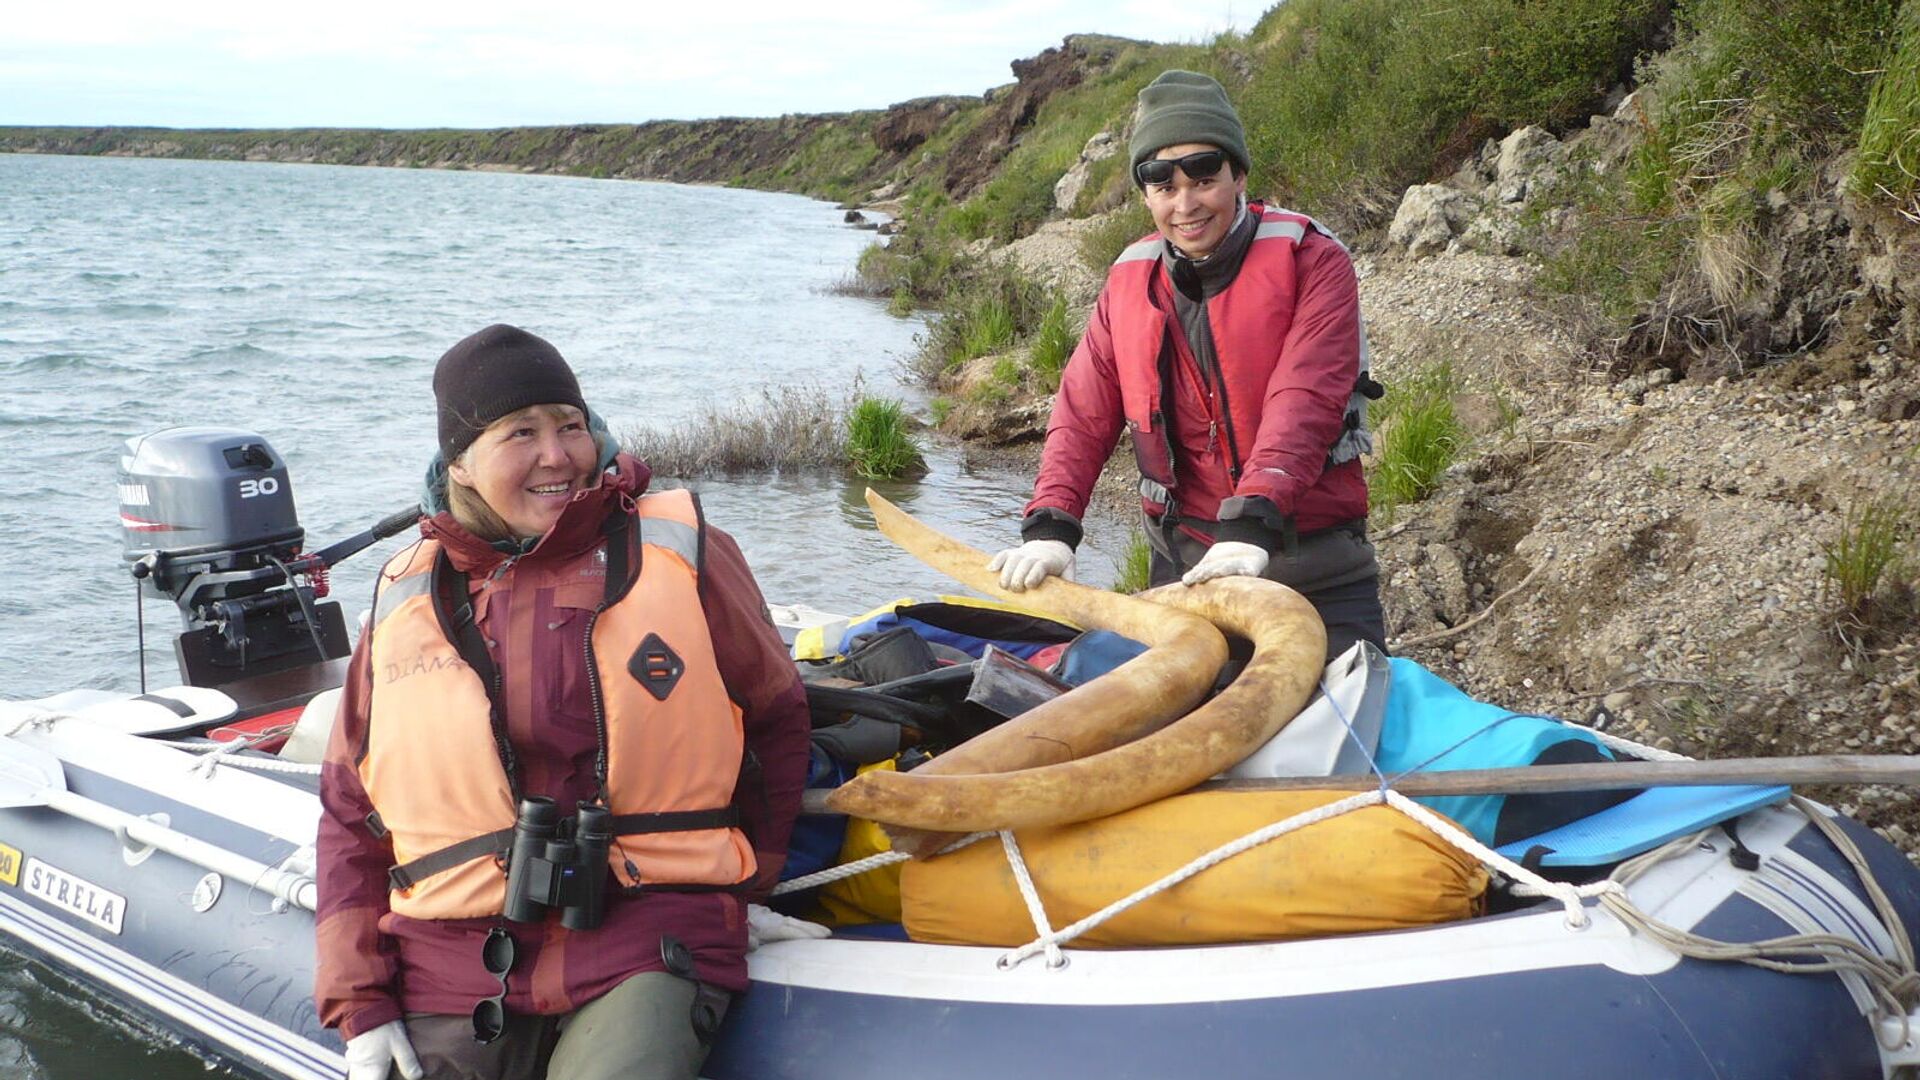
<point x="623" y="477"/>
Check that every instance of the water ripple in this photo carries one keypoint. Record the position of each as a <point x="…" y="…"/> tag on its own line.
<point x="45" y="363"/>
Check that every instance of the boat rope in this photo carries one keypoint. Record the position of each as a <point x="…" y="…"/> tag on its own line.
<point x="1894" y="982"/>
<point x="32" y="717"/>
<point x="1217" y="855"/>
<point x="1035" y="909"/>
<point x="839" y="873"/>
<point x="212" y="755"/>
<point x="860" y="866"/>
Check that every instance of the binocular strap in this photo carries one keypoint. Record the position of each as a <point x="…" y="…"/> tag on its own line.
<point x="496" y="843"/>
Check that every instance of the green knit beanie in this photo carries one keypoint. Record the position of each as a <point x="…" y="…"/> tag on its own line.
<point x="1186" y="107"/>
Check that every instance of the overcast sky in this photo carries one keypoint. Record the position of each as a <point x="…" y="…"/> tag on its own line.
<point x="447" y="63"/>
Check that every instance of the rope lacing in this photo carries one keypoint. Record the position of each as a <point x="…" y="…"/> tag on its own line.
<point x="33" y="717"/>
<point x="214" y="754"/>
<point x="1894" y="983"/>
<point x="860" y="866"/>
<point x="1035" y="910"/>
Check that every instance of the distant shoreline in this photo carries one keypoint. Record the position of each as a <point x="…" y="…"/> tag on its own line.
<point x="835" y="156"/>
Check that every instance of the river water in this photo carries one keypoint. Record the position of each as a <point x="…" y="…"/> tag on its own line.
<point x="308" y="304"/>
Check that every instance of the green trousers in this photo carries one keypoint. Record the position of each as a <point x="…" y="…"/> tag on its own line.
<point x="654" y="1026"/>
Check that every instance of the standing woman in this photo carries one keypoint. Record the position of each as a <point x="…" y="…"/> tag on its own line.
<point x="562" y="657"/>
<point x="1228" y="345"/>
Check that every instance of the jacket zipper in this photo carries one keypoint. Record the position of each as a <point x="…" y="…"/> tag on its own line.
<point x="1217" y="407"/>
<point x="1225" y="410"/>
<point x="1215" y="396"/>
<point x="599" y="709"/>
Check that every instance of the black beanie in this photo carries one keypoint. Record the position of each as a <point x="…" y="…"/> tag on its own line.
<point x="498" y="371"/>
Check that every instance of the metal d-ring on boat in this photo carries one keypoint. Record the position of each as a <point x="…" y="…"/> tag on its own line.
<point x="30" y="776"/>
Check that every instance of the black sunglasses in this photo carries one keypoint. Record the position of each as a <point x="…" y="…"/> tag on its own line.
<point x="1198" y="166"/>
<point x="490" y="1014"/>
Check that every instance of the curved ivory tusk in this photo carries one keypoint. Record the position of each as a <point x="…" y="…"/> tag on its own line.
<point x="1184" y="654"/>
<point x="1137" y="698"/>
<point x="1289" y="643"/>
<point x="1146" y="693"/>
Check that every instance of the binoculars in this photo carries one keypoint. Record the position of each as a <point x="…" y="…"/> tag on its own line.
<point x="557" y="863"/>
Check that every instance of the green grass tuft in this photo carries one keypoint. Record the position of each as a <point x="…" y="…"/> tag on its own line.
<point x="1420" y="435"/>
<point x="879" y="446"/>
<point x="982" y="316"/>
<point x="1868" y="551"/>
<point x="988" y="327"/>
<point x="1053" y="343"/>
<point x="1132" y="574"/>
<point x="1104" y="242"/>
<point x="1889" y="162"/>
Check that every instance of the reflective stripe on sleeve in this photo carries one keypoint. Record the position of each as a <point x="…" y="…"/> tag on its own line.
<point x="394" y="593"/>
<point x="681" y="539"/>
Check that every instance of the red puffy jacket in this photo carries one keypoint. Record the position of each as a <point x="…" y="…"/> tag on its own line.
<point x="1287" y="332"/>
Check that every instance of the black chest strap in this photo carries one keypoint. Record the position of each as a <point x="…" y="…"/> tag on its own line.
<point x="498" y="842"/>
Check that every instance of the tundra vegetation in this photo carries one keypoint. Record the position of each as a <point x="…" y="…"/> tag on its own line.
<point x="1136" y="562"/>
<point x="880" y="442"/>
<point x="791" y="428"/>
<point x="1865" y="563"/>
<point x="1418" y="435"/>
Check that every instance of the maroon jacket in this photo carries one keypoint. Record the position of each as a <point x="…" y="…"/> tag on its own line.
<point x="1287" y="334"/>
<point x="372" y="965"/>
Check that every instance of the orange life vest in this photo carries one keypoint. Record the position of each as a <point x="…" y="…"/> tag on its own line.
<point x="671" y="742"/>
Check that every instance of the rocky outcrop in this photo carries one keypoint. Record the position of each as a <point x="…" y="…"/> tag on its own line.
<point x="1885" y="246"/>
<point x="904" y="127"/>
<point x="1525" y="159"/>
<point x="1066" y="191"/>
<point x="1430" y="216"/>
<point x="1479" y="208"/>
<point x="1011" y="109"/>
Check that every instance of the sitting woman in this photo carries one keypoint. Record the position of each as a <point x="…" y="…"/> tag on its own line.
<point x="569" y="753"/>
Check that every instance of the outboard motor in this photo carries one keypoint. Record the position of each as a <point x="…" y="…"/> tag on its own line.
<point x="208" y="520"/>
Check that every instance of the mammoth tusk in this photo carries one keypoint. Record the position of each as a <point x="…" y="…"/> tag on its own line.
<point x="1184" y="654"/>
<point x="1289" y="647"/>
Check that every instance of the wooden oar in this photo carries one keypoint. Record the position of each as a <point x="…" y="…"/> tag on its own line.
<point x="30" y="776"/>
<point x="1902" y="769"/>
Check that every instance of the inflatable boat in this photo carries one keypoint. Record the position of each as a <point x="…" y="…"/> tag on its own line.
<point x="158" y="847"/>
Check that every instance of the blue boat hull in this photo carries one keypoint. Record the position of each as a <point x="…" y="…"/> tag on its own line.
<point x="1515" y="995"/>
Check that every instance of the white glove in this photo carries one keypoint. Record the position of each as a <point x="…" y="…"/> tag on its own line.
<point x="1031" y="563"/>
<point x="1227" y="558"/>
<point x="765" y="924"/>
<point x="371" y="1053"/>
